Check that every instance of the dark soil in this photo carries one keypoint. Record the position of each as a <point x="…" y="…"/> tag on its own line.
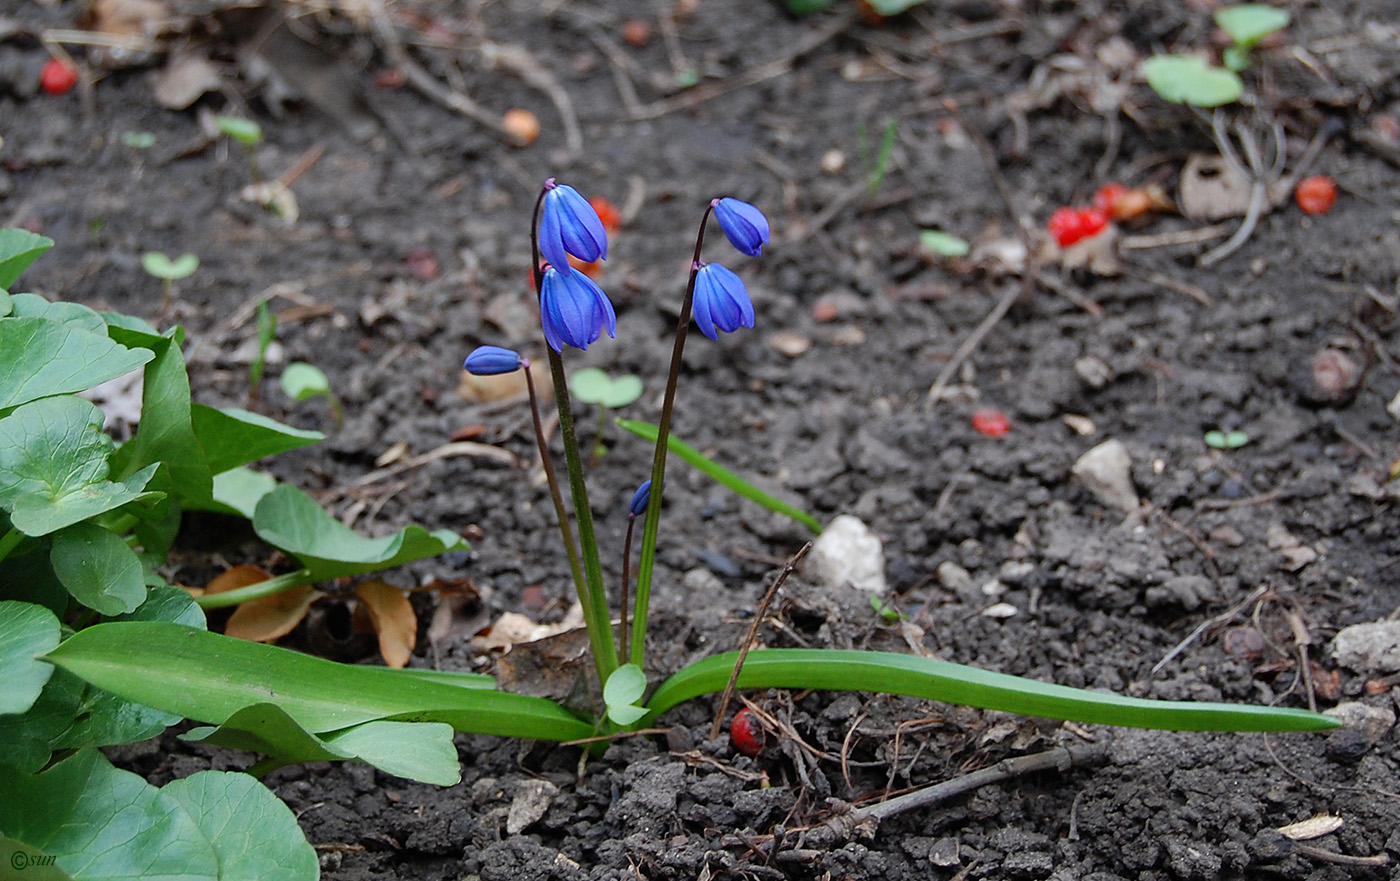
<point x="1280" y="543"/>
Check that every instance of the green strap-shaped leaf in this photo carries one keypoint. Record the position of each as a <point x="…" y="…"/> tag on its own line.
<point x="45" y="358"/>
<point x="724" y="476"/>
<point x="290" y="520"/>
<point x="98" y="822"/>
<point x="53" y="466"/>
<point x="208" y="677"/>
<point x="18" y="249"/>
<point x="26" y="631"/>
<point x="234" y="437"/>
<point x="254" y="835"/>
<point x="889" y="673"/>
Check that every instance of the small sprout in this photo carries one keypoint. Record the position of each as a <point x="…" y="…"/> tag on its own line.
<point x="1186" y="79"/>
<point x="138" y="140"/>
<point x="244" y="131"/>
<point x="623" y="690"/>
<point x="58" y="77"/>
<point x="1246" y="25"/>
<point x="302" y="381"/>
<point x="267" y="332"/>
<point x="878" y="164"/>
<point x="593" y="386"/>
<point x="686" y="79"/>
<point x="1221" y="440"/>
<point x="169" y="271"/>
<point x="944" y="244"/>
<point x="746" y="733"/>
<point x="1316" y="194"/>
<point x="885" y="610"/>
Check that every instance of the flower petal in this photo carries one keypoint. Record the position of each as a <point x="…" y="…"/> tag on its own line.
<point x="743" y="224"/>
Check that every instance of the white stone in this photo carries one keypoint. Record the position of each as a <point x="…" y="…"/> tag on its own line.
<point x="1374" y="723"/>
<point x="1372" y="648"/>
<point x="1105" y="472"/>
<point x="847" y="553"/>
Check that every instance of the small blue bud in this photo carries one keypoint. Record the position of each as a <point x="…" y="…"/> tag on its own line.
<point x="490" y="360"/>
<point x="569" y="225"/>
<point x="721" y="301"/>
<point x="574" y="310"/>
<point x="640" y="499"/>
<point x="744" y="225"/>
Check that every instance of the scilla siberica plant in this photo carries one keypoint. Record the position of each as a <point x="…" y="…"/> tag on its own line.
<point x="574" y="312"/>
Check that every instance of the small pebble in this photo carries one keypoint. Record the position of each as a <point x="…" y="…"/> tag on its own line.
<point x="1346" y="746"/>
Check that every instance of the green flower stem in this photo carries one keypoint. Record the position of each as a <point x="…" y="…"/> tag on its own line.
<point x="658" y="462"/>
<point x="270" y="587"/>
<point x="552" y="479"/>
<point x="890" y="673"/>
<point x="9" y="541"/>
<point x="593" y="597"/>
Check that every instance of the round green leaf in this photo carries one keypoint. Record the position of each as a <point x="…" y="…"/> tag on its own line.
<point x="1214" y="439"/>
<point x="99" y="569"/>
<point x="1248" y="23"/>
<point x="254" y="834"/>
<point x="138" y="140"/>
<point x="301" y="381"/>
<point x="1186" y="79"/>
<point x="593" y="386"/>
<point x="625" y="686"/>
<point x="26" y="631"/>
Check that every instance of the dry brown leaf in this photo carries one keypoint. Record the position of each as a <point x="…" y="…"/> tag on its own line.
<point x="186" y="78"/>
<point x="271" y="618"/>
<point x="488" y="389"/>
<point x="1313" y="827"/>
<point x="393" y="618"/>
<point x="238" y="576"/>
<point x="513" y="628"/>
<point x="129" y="18"/>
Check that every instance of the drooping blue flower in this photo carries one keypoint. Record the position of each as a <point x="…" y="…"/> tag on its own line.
<point x="574" y="310"/>
<point x="743" y="224"/>
<point x="490" y="360"/>
<point x="640" y="499"/>
<point x="721" y="301"/>
<point x="569" y="225"/>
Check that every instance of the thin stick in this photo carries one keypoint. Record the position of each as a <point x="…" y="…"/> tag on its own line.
<point x="752" y="634"/>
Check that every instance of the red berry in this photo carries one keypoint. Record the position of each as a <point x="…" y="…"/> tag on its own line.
<point x="1092" y="221"/>
<point x="1070" y="225"/>
<point x="991" y="422"/>
<point x="746" y="733"/>
<point x="58" y="77"/>
<point x="1316" y="194"/>
<point x="1107" y="197"/>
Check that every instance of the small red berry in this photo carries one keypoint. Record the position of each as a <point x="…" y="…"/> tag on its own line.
<point x="58" y="77"/>
<point x="991" y="422"/>
<point x="1107" y="197"/>
<point x="1092" y="221"/>
<point x="746" y="733"/>
<point x="1070" y="225"/>
<point x="1316" y="194"/>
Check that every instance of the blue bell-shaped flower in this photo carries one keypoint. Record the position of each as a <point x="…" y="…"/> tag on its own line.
<point x="721" y="301"/>
<point x="743" y="224"/>
<point x="569" y="225"/>
<point x="574" y="310"/>
<point x="491" y="360"/>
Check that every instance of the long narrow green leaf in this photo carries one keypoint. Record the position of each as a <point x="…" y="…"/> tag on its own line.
<point x="721" y="474"/>
<point x="209" y="677"/>
<point x="890" y="673"/>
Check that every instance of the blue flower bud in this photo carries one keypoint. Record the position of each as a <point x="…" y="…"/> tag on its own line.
<point x="569" y="225"/>
<point x="640" y="499"/>
<point x="574" y="310"/>
<point x="721" y="301"/>
<point x="490" y="360"/>
<point x="744" y="225"/>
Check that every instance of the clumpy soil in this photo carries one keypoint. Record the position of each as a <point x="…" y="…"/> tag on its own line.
<point x="411" y="248"/>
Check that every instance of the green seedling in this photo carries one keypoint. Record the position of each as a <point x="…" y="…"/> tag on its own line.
<point x="944" y="244"/>
<point x="1221" y="440"/>
<point x="623" y="694"/>
<point x="302" y="381"/>
<point x="1247" y="24"/>
<point x="169" y="271"/>
<point x="267" y="332"/>
<point x="876" y="164"/>
<point x="1186" y="79"/>
<point x="593" y="386"/>
<point x="885" y="610"/>
<point x="246" y="132"/>
<point x="138" y="140"/>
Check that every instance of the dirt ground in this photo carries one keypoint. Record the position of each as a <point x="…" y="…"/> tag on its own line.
<point x="411" y="247"/>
